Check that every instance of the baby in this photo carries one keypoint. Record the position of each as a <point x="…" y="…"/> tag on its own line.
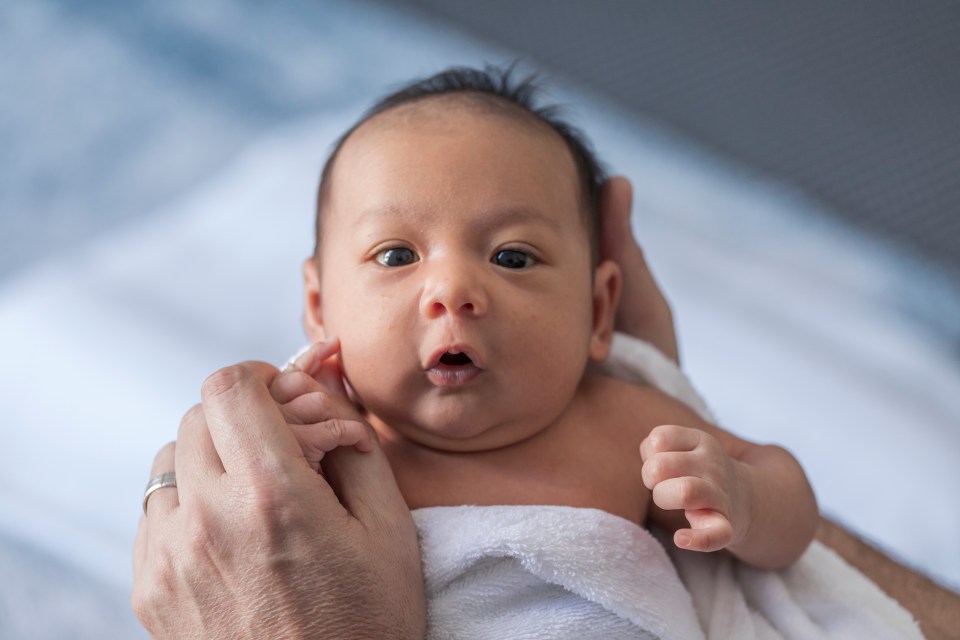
<point x="456" y="295"/>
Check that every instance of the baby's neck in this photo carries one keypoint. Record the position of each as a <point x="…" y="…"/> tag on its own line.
<point x="579" y="459"/>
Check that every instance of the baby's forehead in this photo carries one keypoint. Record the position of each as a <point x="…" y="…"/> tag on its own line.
<point x="523" y="137"/>
<point x="453" y="112"/>
<point x="473" y="144"/>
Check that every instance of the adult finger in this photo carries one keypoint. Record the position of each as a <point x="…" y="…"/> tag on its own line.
<point x="162" y="501"/>
<point x="248" y="430"/>
<point x="365" y="484"/>
<point x="163" y="458"/>
<point x="197" y="459"/>
<point x="616" y="196"/>
<point x="669" y="437"/>
<point x="643" y="311"/>
<point x="140" y="548"/>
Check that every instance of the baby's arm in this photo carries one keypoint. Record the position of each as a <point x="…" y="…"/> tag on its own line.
<point x="312" y="398"/>
<point x="718" y="491"/>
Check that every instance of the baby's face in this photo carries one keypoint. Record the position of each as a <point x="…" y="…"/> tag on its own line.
<point x="455" y="268"/>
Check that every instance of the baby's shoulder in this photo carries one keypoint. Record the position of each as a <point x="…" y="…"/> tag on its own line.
<point x="623" y="405"/>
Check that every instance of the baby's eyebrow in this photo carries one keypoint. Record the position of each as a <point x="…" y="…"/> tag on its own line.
<point x="498" y="218"/>
<point x="484" y="221"/>
<point x="392" y="212"/>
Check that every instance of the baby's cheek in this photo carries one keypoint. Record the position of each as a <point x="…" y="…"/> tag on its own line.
<point x="373" y="373"/>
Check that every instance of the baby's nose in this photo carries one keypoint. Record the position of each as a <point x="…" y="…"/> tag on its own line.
<point x="455" y="289"/>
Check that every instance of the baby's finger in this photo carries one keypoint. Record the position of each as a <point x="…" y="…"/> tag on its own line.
<point x="320" y="362"/>
<point x="311" y="359"/>
<point x="669" y="437"/>
<point x="319" y="406"/>
<point x="317" y="440"/>
<point x="671" y="464"/>
<point x="291" y="384"/>
<point x="711" y="531"/>
<point x="689" y="493"/>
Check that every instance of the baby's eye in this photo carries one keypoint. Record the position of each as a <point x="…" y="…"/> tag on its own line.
<point x="513" y="259"/>
<point x="397" y="257"/>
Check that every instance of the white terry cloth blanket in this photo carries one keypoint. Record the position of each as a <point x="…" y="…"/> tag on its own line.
<point x="530" y="572"/>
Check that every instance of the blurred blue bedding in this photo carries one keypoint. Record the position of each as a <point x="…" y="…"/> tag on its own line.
<point x="145" y="247"/>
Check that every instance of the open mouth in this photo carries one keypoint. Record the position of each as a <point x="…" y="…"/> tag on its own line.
<point x="455" y="359"/>
<point x="453" y="368"/>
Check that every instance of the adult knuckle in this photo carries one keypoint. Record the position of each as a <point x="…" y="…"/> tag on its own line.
<point x="191" y="417"/>
<point x="224" y="380"/>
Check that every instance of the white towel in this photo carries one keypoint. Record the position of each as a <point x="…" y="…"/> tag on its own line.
<point x="531" y="572"/>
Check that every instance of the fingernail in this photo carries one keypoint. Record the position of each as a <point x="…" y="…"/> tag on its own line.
<point x="683" y="540"/>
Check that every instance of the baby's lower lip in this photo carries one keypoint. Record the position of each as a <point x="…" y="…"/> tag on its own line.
<point x="448" y="375"/>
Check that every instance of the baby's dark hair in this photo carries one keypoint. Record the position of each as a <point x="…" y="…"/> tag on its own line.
<point x="497" y="89"/>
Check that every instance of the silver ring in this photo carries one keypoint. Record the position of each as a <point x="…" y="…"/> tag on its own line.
<point x="162" y="481"/>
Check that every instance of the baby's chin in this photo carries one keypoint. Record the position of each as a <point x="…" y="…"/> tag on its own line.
<point x="455" y="436"/>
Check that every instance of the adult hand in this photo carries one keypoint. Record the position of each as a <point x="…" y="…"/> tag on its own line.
<point x="643" y="311"/>
<point x="255" y="543"/>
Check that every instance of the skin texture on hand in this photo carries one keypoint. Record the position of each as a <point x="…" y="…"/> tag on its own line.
<point x="255" y="543"/>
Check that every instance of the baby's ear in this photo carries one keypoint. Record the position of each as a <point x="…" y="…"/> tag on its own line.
<point x="312" y="311"/>
<point x="606" y="295"/>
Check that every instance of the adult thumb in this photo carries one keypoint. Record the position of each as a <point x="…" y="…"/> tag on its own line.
<point x="616" y="199"/>
<point x="365" y="484"/>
